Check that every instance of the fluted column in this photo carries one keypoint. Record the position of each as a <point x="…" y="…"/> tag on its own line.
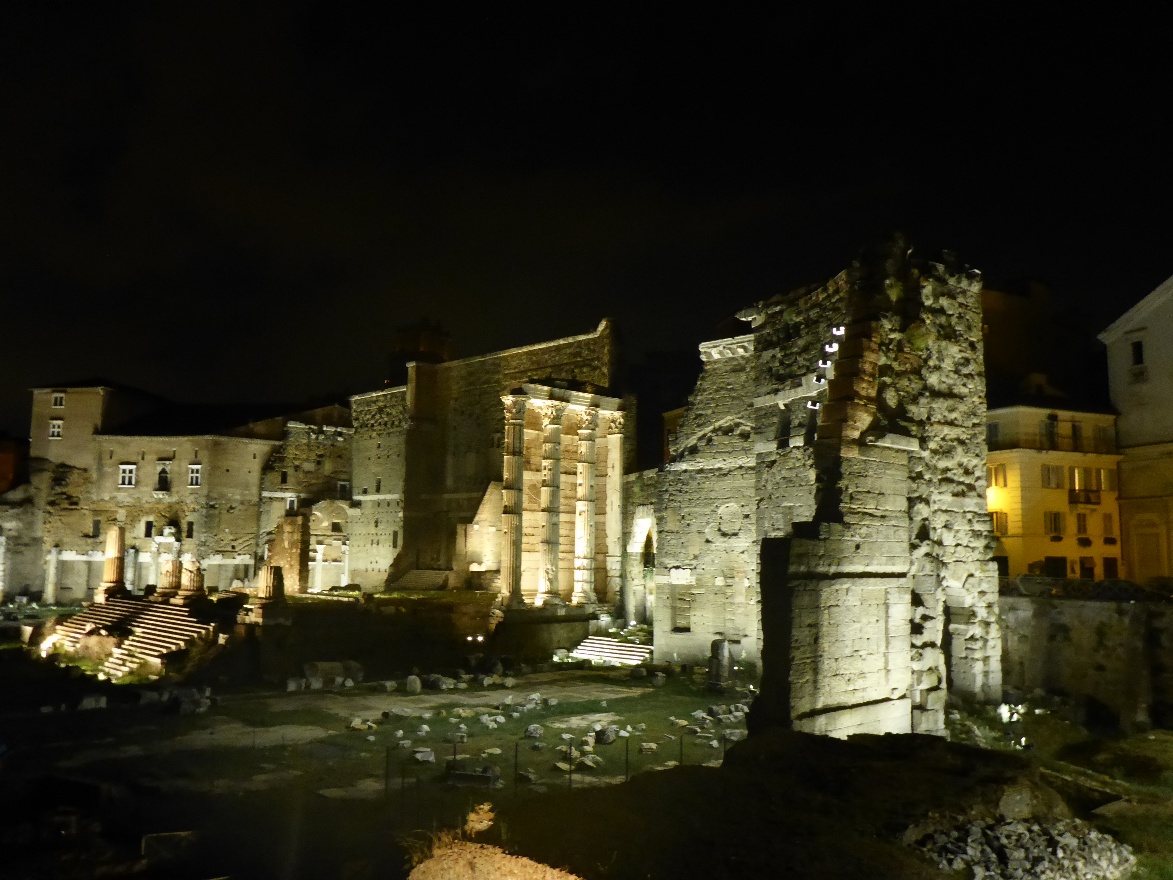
<point x="170" y="573"/>
<point x="584" y="510"/>
<point x="512" y="499"/>
<point x="551" y="500"/>
<point x="112" y="570"/>
<point x="613" y="522"/>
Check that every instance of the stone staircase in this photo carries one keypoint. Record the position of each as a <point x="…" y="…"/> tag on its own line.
<point x="156" y="629"/>
<point x="600" y="649"/>
<point x="423" y="579"/>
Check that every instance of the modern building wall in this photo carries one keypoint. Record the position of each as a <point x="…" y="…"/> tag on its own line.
<point x="1051" y="489"/>
<point x="1140" y="373"/>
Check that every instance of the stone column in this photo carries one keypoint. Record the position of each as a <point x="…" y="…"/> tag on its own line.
<point x="512" y="499"/>
<point x="272" y="585"/>
<point x="614" y="516"/>
<point x="130" y="568"/>
<point x="584" y="511"/>
<point x="50" y="597"/>
<point x="169" y="578"/>
<point x="112" y="571"/>
<point x="319" y="551"/>
<point x="345" y="564"/>
<point x="551" y="501"/>
<point x="3" y="564"/>
<point x="191" y="581"/>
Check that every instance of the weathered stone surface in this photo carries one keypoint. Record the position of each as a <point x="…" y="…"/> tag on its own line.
<point x="412" y="685"/>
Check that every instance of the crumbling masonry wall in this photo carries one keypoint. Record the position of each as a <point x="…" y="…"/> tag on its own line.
<point x="849" y="423"/>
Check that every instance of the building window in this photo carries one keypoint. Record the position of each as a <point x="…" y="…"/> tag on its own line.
<point x="194" y="474"/>
<point x="993" y="430"/>
<point x="336" y="527"/>
<point x="1049" y="432"/>
<point x="1053" y="523"/>
<point x="1105" y="438"/>
<point x="96" y="529"/>
<point x="1076" y="437"/>
<point x="1081" y="524"/>
<point x="1111" y="568"/>
<point x="149" y="529"/>
<point x="190" y="533"/>
<point x="378" y="485"/>
<point x="163" y="483"/>
<point x="1138" y="353"/>
<point x="1001" y="522"/>
<point x="395" y="540"/>
<point x="1139" y="371"/>
<point x="996" y="475"/>
<point x="1082" y="478"/>
<point x="1107" y="479"/>
<point x="56" y="426"/>
<point x="364" y="490"/>
<point x="126" y="474"/>
<point x="58" y="399"/>
<point x="344" y="490"/>
<point x="1109" y="526"/>
<point x="284" y="477"/>
<point x="291" y="504"/>
<point x="1052" y="476"/>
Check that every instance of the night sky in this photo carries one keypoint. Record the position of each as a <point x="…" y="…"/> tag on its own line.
<point x="226" y="204"/>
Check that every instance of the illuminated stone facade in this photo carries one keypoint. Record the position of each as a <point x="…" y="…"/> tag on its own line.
<point x="104" y="457"/>
<point x="823" y="509"/>
<point x="500" y="472"/>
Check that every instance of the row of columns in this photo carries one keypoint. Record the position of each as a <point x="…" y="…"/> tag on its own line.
<point x="551" y="413"/>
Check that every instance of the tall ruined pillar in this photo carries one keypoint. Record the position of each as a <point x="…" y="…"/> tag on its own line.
<point x="512" y="499"/>
<point x="3" y="564"/>
<point x="584" y="511"/>
<point x="613" y="522"/>
<point x="551" y="500"/>
<point x="272" y="585"/>
<point x="50" y="597"/>
<point x="112" y="571"/>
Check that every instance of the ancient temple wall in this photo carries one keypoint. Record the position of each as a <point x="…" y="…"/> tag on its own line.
<point x="641" y="545"/>
<point x="378" y="461"/>
<point x="706" y="517"/>
<point x="936" y="387"/>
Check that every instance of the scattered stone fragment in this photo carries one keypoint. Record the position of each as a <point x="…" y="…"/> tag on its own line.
<point x="405" y="744"/>
<point x="551" y="701"/>
<point x="412" y="685"/>
<point x="509" y="682"/>
<point x="657" y="679"/>
<point x="647" y="748"/>
<point x="734" y="735"/>
<point x="425" y="756"/>
<point x="528" y="775"/>
<point x="1017" y="849"/>
<point x="493" y="751"/>
<point x="606" y="736"/>
<point x="388" y="686"/>
<point x="534" y="731"/>
<point x="294" y="684"/>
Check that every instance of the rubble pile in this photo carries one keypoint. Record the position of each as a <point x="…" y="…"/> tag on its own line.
<point x="1066" y="849"/>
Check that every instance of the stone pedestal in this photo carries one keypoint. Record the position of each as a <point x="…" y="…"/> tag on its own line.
<point x="170" y="573"/>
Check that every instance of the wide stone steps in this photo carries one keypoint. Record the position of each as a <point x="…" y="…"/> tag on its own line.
<point x="600" y="649"/>
<point x="156" y="629"/>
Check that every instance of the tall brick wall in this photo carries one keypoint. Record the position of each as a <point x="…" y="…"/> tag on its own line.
<point x="849" y="426"/>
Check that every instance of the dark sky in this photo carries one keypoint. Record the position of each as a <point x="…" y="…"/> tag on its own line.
<point x="218" y="203"/>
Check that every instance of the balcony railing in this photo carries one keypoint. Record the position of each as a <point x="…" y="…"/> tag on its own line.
<point x="1059" y="444"/>
<point x="1083" y="496"/>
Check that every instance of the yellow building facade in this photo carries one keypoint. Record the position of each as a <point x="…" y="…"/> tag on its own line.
<point x="1051" y="489"/>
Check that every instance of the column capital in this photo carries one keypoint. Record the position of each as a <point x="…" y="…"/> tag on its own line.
<point x="514" y="405"/>
<point x="615" y="422"/>
<point x="551" y="411"/>
<point x="588" y="419"/>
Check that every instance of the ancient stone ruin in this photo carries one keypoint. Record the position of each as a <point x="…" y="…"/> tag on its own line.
<point x="823" y="510"/>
